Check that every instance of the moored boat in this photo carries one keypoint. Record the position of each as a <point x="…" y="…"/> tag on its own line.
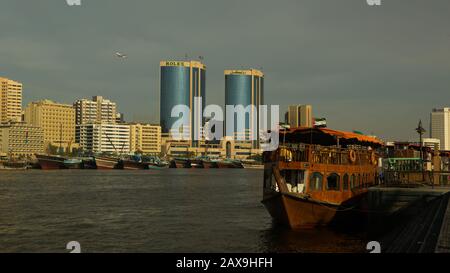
<point x="130" y="164"/>
<point x="209" y="164"/>
<point x="88" y="163"/>
<point x="50" y="162"/>
<point x="14" y="165"/>
<point x="229" y="164"/>
<point x="158" y="166"/>
<point x="252" y="164"/>
<point x="318" y="176"/>
<point x="73" y="163"/>
<point x="108" y="163"/>
<point x="180" y="163"/>
<point x="197" y="163"/>
<point x="154" y="162"/>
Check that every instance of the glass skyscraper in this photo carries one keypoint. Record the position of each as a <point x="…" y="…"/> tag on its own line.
<point x="181" y="82"/>
<point x="246" y="88"/>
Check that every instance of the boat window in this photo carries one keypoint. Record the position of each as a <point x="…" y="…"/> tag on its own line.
<point x="333" y="182"/>
<point x="345" y="182"/>
<point x="315" y="183"/>
<point x="353" y="181"/>
<point x="292" y="178"/>
<point x="287" y="176"/>
<point x="300" y="181"/>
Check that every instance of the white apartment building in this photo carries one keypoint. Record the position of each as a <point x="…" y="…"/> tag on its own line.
<point x="440" y="127"/>
<point x="104" y="138"/>
<point x="97" y="110"/>
<point x="10" y="100"/>
<point x="431" y="143"/>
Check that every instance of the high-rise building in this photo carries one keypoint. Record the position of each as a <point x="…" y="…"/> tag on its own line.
<point x="98" y="109"/>
<point x="104" y="138"/>
<point x="120" y="118"/>
<point x="56" y="120"/>
<point x="10" y="100"/>
<point x="145" y="138"/>
<point x="18" y="139"/>
<point x="299" y="116"/>
<point x="181" y="83"/>
<point x="440" y="126"/>
<point x="244" y="88"/>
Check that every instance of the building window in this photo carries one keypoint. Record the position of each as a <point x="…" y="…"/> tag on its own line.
<point x="315" y="183"/>
<point x="333" y="182"/>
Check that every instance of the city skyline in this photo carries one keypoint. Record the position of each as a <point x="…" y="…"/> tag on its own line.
<point x="382" y="69"/>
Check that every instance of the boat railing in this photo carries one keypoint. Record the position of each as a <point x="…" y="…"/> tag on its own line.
<point x="325" y="155"/>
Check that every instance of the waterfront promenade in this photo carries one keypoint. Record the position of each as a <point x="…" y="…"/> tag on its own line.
<point x="411" y="220"/>
<point x="443" y="243"/>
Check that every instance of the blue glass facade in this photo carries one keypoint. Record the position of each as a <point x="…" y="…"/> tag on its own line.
<point x="181" y="82"/>
<point x="175" y="85"/>
<point x="244" y="88"/>
<point x="238" y="91"/>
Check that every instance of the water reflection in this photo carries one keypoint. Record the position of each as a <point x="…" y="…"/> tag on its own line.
<point x="280" y="239"/>
<point x="155" y="211"/>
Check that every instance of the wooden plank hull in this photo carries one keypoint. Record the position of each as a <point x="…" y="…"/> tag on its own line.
<point x="50" y="162"/>
<point x="210" y="165"/>
<point x="107" y="163"/>
<point x="74" y="166"/>
<point x="133" y="165"/>
<point x="298" y="213"/>
<point x="180" y="164"/>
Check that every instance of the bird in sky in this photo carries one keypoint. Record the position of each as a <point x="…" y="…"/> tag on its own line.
<point x="121" y="55"/>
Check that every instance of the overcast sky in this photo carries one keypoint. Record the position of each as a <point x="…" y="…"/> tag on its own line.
<point x="374" y="69"/>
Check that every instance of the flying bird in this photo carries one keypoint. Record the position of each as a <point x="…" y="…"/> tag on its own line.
<point x="121" y="55"/>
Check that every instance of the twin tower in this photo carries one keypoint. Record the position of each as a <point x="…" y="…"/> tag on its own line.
<point x="182" y="81"/>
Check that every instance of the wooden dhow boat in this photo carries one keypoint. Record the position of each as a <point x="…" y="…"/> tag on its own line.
<point x="317" y="175"/>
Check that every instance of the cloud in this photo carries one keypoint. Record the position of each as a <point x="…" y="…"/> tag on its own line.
<point x="377" y="69"/>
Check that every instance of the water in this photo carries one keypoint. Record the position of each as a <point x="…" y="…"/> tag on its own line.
<point x="171" y="210"/>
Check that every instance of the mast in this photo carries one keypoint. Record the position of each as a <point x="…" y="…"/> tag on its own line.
<point x="114" y="146"/>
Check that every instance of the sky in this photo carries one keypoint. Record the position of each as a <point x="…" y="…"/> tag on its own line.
<point x="375" y="69"/>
